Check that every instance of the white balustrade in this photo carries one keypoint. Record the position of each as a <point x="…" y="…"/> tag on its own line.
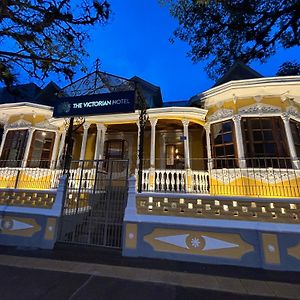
<point x="170" y="180"/>
<point x="200" y="180"/>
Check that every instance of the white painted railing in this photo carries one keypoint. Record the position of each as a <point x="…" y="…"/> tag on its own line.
<point x="200" y="182"/>
<point x="170" y="180"/>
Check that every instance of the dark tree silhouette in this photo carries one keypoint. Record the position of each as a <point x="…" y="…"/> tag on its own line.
<point x="44" y="36"/>
<point x="222" y="32"/>
<point x="289" y="68"/>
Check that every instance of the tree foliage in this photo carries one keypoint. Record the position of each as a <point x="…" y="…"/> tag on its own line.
<point x="222" y="32"/>
<point x="289" y="68"/>
<point x="44" y="36"/>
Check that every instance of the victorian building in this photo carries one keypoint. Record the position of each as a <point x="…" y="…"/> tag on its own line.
<point x="241" y="137"/>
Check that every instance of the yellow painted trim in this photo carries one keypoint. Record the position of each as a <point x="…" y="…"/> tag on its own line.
<point x="239" y="248"/>
<point x="294" y="251"/>
<point x="27" y="232"/>
<point x="131" y="236"/>
<point x="50" y="229"/>
<point x="271" y="248"/>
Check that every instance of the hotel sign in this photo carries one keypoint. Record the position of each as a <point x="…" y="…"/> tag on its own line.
<point x="109" y="103"/>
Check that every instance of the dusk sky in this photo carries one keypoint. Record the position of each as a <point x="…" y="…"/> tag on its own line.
<point x="136" y="42"/>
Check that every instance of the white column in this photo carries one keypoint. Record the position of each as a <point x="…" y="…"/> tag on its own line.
<point x="98" y="141"/>
<point x="239" y="140"/>
<point x="86" y="127"/>
<point x="187" y="162"/>
<point x="138" y="145"/>
<point x="286" y="121"/>
<point x="208" y="146"/>
<point x="162" y="151"/>
<point x="3" y="140"/>
<point x="55" y="150"/>
<point x="152" y="147"/>
<point x="101" y="147"/>
<point x="61" y="146"/>
<point x="153" y="123"/>
<point x="28" y="146"/>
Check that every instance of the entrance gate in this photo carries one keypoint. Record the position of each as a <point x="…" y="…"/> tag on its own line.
<point x="95" y="202"/>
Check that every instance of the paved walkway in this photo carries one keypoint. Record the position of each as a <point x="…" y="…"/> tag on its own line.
<point x="228" y="287"/>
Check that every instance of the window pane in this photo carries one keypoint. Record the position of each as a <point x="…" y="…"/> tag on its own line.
<point x="227" y="127"/>
<point x="220" y="151"/>
<point x="258" y="148"/>
<point x="270" y="149"/>
<point x="229" y="150"/>
<point x="257" y="136"/>
<point x="14" y="148"/>
<point x="41" y="149"/>
<point x="223" y="144"/>
<point x="267" y="123"/>
<point x="268" y="136"/>
<point x="227" y="138"/>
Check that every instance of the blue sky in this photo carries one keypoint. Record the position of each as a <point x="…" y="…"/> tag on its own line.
<point x="136" y="42"/>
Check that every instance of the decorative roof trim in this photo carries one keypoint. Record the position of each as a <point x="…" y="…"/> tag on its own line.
<point x="45" y="125"/>
<point x="220" y="114"/>
<point x="246" y="83"/>
<point x="20" y="123"/>
<point x="259" y="108"/>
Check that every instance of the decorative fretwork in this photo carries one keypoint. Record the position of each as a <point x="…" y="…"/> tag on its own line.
<point x="246" y="210"/>
<point x="97" y="83"/>
<point x="259" y="108"/>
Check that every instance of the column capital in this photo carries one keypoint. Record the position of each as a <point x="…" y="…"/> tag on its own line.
<point x="237" y="119"/>
<point x="185" y="122"/>
<point x="285" y="117"/>
<point x="207" y="127"/>
<point x="63" y="130"/>
<point x="101" y="126"/>
<point x="153" y="122"/>
<point x="86" y="126"/>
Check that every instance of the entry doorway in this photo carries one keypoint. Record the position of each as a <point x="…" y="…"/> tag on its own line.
<point x="175" y="156"/>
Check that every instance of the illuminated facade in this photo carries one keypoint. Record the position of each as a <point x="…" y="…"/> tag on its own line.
<point x="241" y="137"/>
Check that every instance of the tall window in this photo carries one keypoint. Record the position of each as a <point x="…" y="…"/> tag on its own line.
<point x="14" y="148"/>
<point x="41" y="149"/>
<point x="265" y="142"/>
<point x="295" y="128"/>
<point x="223" y="146"/>
<point x="115" y="149"/>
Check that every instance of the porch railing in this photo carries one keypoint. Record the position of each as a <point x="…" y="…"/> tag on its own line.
<point x="81" y="173"/>
<point x="259" y="177"/>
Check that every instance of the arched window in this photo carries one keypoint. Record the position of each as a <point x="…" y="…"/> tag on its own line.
<point x="265" y="142"/>
<point x="14" y="148"/>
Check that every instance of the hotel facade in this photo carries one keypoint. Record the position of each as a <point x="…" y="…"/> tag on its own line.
<point x="237" y="141"/>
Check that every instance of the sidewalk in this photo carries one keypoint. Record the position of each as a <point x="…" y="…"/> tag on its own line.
<point x="219" y="281"/>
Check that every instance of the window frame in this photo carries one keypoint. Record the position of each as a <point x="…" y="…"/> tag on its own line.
<point x="296" y="144"/>
<point x="7" y="147"/>
<point x="281" y="156"/>
<point x="42" y="163"/>
<point x="224" y="161"/>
